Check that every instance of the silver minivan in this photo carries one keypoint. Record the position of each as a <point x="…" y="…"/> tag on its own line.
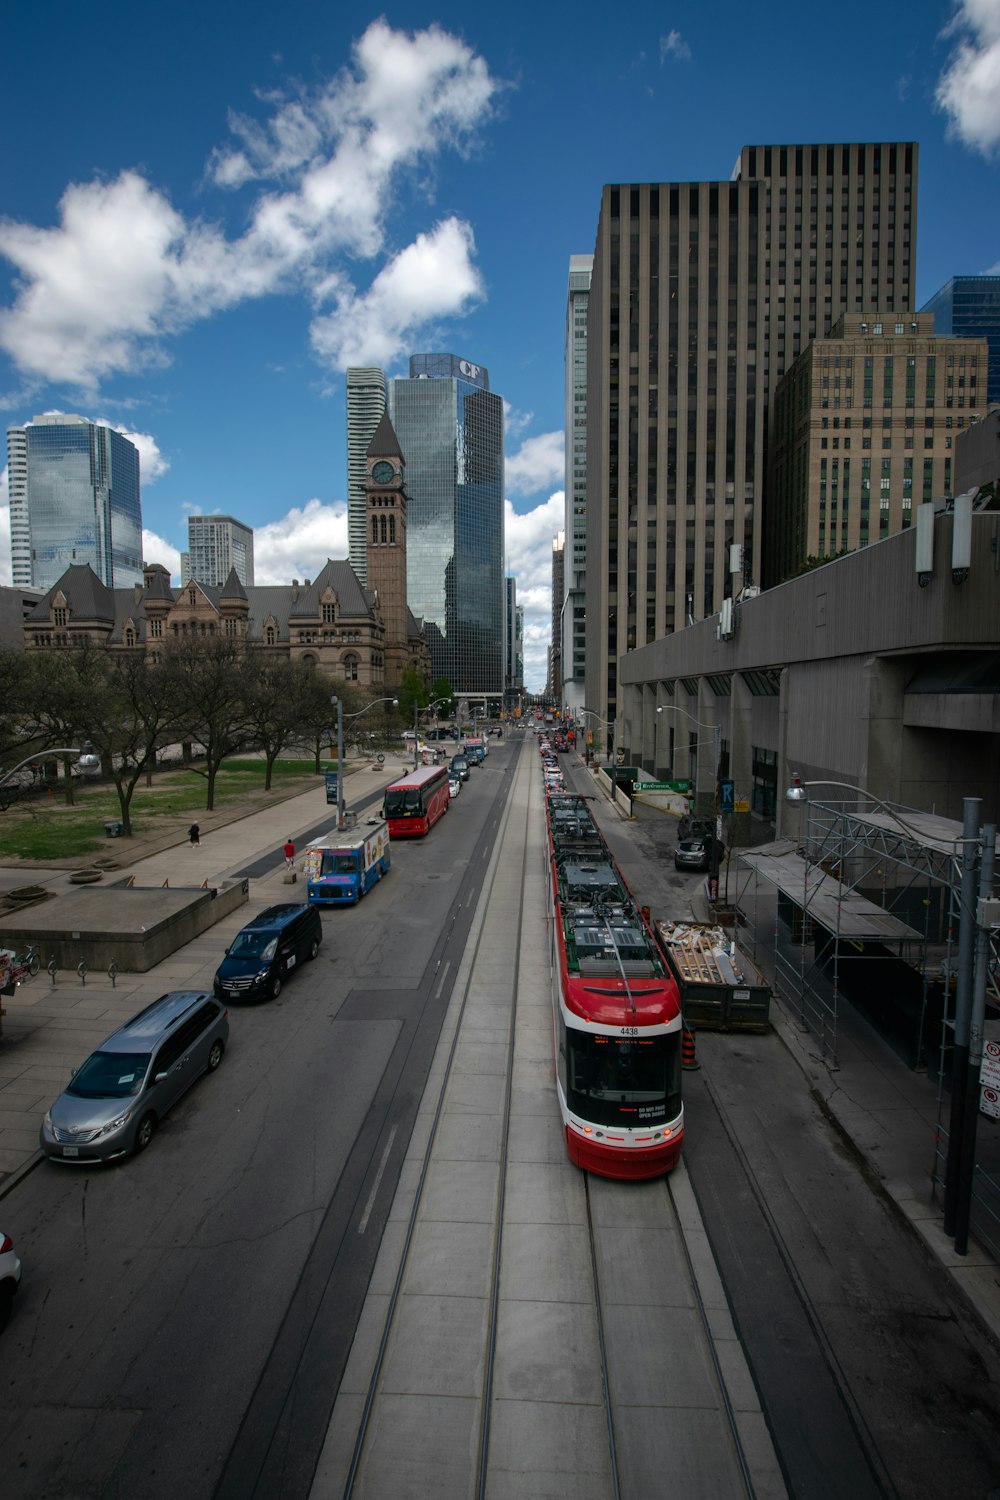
<point x="115" y="1101"/>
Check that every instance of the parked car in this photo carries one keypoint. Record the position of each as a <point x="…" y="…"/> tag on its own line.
<point x="454" y="786"/>
<point x="692" y="826"/>
<point x="265" y="952"/>
<point x="460" y="767"/>
<point x="693" y="854"/>
<point x="10" y="1276"/>
<point x="115" y="1101"/>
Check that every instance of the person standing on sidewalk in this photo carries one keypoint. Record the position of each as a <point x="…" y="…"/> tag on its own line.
<point x="194" y="834"/>
<point x="289" y="854"/>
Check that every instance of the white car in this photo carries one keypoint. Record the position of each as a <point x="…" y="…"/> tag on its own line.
<point x="454" y="786"/>
<point x="10" y="1276"/>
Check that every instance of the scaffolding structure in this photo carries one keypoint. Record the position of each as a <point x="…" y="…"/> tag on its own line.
<point x="866" y="907"/>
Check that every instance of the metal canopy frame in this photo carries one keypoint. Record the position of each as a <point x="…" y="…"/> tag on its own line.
<point x="786" y="890"/>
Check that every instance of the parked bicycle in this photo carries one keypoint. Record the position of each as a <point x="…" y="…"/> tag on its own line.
<point x="16" y="968"/>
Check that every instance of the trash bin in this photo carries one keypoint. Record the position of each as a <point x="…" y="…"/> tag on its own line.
<point x="114" y="829"/>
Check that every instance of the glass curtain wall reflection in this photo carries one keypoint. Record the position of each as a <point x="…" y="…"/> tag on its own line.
<point x="81" y="500"/>
<point x="450" y="429"/>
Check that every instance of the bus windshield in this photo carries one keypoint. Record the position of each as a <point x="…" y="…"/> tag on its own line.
<point x="400" y="800"/>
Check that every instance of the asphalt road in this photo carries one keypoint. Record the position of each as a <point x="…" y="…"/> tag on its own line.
<point x="185" y="1315"/>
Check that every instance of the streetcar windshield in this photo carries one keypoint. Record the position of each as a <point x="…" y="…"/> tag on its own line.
<point x="634" y="1080"/>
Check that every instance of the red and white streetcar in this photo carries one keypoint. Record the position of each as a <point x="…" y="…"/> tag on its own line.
<point x="616" y="1009"/>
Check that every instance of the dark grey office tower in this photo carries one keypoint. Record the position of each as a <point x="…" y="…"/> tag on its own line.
<point x="969" y="308"/>
<point x="450" y="430"/>
<point x="702" y="295"/>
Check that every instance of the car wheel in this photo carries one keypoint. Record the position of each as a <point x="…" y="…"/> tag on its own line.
<point x="145" y="1133"/>
<point x="314" y="949"/>
<point x="215" y="1054"/>
<point x="275" y="990"/>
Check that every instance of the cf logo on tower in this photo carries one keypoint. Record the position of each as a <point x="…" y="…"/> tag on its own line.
<point x="472" y="371"/>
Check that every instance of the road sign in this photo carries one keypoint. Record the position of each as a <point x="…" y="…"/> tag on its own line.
<point x="727" y="794"/>
<point x="331" y="788"/>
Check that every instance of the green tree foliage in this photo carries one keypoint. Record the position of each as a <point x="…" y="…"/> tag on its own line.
<point x="412" y="695"/>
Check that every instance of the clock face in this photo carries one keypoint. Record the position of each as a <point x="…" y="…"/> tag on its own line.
<point x="383" y="473"/>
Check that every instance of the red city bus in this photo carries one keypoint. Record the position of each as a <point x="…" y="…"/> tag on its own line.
<point x="415" y="802"/>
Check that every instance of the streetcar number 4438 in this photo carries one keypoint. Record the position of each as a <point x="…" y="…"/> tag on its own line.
<point x="628" y="1031"/>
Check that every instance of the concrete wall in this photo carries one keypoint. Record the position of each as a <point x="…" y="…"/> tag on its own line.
<point x="842" y="642"/>
<point x="97" y="926"/>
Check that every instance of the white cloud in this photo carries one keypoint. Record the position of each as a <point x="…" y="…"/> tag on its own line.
<point x="299" y="544"/>
<point x="123" y="270"/>
<point x="968" y="90"/>
<point x="537" y="465"/>
<point x="156" y="550"/>
<point x="529" y="540"/>
<point x="296" y="546"/>
<point x="674" y="45"/>
<point x="152" y="464"/>
<point x="432" y="278"/>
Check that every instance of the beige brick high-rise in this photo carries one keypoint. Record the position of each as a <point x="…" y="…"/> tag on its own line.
<point x="862" y="433"/>
<point x="702" y="295"/>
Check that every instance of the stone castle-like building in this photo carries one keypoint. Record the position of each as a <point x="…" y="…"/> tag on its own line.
<point x="365" y="635"/>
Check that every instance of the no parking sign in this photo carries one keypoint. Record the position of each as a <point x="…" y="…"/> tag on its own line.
<point x="989" y="1080"/>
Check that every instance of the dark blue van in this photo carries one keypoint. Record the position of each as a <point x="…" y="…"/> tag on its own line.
<point x="262" y="956"/>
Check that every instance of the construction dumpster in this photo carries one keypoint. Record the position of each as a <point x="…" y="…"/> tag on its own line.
<point x="720" y="989"/>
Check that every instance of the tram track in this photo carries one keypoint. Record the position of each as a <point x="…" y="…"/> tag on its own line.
<point x="562" y="1267"/>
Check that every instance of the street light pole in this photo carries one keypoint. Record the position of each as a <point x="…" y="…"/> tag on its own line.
<point x="716" y="744"/>
<point x="963" y="1007"/>
<point x="338" y="704"/>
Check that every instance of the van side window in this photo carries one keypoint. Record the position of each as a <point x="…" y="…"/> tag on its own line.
<point x="168" y="1054"/>
<point x="204" y="1017"/>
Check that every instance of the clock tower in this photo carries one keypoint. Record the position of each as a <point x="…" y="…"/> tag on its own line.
<point x="385" y="520"/>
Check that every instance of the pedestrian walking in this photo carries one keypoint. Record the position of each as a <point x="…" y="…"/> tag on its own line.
<point x="289" y="854"/>
<point x="194" y="834"/>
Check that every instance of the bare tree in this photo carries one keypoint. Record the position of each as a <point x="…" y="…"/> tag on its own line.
<point x="274" y="690"/>
<point x="209" y="679"/>
<point x="127" y="706"/>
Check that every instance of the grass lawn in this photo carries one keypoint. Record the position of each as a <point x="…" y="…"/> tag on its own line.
<point x="45" y="828"/>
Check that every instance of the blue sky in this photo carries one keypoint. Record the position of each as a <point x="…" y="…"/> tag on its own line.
<point x="210" y="210"/>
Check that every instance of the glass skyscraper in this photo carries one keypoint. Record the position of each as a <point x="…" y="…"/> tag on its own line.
<point x="74" y="498"/>
<point x="969" y="308"/>
<point x="451" y="433"/>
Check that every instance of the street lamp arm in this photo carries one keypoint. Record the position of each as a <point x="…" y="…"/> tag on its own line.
<point x="797" y="794"/>
<point x="374" y="704"/>
<point x="40" y="755"/>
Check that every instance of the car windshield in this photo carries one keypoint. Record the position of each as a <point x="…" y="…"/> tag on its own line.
<point x="253" y="945"/>
<point x="110" y="1075"/>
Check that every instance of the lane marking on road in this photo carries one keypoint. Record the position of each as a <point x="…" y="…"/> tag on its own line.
<point x="378" y="1181"/>
<point x="444" y="976"/>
